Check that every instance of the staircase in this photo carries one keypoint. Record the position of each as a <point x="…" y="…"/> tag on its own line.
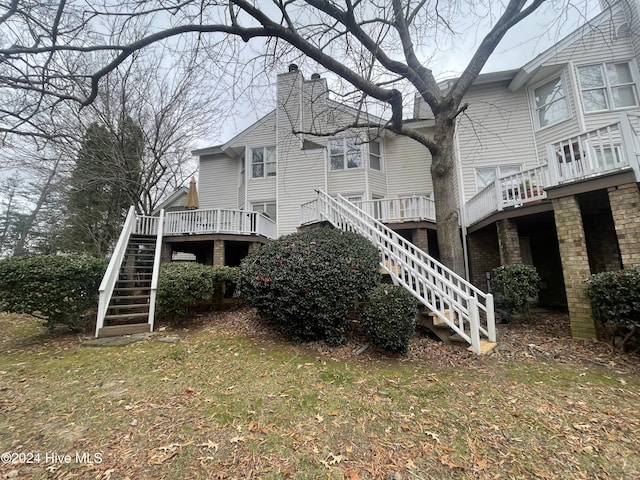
<point x="453" y="303"/>
<point x="128" y="289"/>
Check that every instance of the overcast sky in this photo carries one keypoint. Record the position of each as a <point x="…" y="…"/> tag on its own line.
<point x="528" y="39"/>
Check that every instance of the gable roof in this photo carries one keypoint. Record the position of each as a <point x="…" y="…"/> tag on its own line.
<point x="529" y="70"/>
<point x="227" y="148"/>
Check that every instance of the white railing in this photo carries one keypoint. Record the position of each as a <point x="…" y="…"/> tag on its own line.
<point x="465" y="308"/>
<point x="400" y="209"/>
<point x="239" y="222"/>
<point x="146" y="225"/>
<point x="597" y="152"/>
<point x="510" y="191"/>
<point x="155" y="276"/>
<point x="113" y="269"/>
<point x="483" y="204"/>
<point x="309" y="212"/>
<point x="593" y="153"/>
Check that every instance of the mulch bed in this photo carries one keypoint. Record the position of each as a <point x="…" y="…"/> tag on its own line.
<point x="546" y="337"/>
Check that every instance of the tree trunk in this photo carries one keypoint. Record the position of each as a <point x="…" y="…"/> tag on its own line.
<point x="445" y="188"/>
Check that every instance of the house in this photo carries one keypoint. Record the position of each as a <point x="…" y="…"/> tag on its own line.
<point x="547" y="175"/>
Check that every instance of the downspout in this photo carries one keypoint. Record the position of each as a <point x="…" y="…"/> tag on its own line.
<point x="463" y="208"/>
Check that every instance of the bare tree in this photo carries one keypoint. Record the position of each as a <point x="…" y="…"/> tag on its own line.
<point x="375" y="47"/>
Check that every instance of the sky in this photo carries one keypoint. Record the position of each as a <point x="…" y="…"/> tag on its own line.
<point x="521" y="44"/>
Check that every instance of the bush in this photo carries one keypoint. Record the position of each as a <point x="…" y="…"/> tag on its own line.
<point x="513" y="284"/>
<point x="390" y="317"/>
<point x="58" y="289"/>
<point x="616" y="301"/>
<point x="305" y="283"/>
<point x="181" y="286"/>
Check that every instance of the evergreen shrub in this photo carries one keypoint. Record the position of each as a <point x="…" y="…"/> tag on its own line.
<point x="390" y="317"/>
<point x="306" y="283"/>
<point x="182" y="286"/>
<point x="57" y="289"/>
<point x="513" y="284"/>
<point x="615" y="297"/>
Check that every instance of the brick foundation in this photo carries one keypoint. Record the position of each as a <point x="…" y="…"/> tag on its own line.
<point x="218" y="253"/>
<point x="575" y="265"/>
<point x="508" y="242"/>
<point x="484" y="255"/>
<point x="625" y="208"/>
<point x="420" y="239"/>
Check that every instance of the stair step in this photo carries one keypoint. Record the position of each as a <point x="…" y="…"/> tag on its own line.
<point x="129" y="306"/>
<point x="485" y="347"/>
<point x="118" y="330"/>
<point x="126" y="316"/>
<point x="131" y="289"/>
<point x="134" y="280"/>
<point x="132" y="297"/>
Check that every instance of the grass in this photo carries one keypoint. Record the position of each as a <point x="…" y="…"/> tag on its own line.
<point x="221" y="404"/>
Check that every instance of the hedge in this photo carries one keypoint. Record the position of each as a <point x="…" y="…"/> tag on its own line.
<point x="57" y="289"/>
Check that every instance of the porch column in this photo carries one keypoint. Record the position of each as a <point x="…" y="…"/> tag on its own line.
<point x="420" y="239"/>
<point x="575" y="264"/>
<point x="625" y="209"/>
<point x="508" y="242"/>
<point x="166" y="253"/>
<point x="253" y="246"/>
<point x="218" y="253"/>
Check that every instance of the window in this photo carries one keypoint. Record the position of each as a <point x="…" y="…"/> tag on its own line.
<point x="344" y="153"/>
<point x="607" y="86"/>
<point x="263" y="162"/>
<point x="551" y="103"/>
<point x="375" y="162"/>
<point x="268" y="208"/>
<point x="486" y="175"/>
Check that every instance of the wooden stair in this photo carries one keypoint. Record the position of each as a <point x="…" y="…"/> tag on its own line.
<point x="128" y="310"/>
<point x="439" y="328"/>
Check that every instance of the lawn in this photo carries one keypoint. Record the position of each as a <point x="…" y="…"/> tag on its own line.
<point x="231" y="399"/>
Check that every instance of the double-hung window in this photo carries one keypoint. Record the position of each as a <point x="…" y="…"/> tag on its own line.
<point x="551" y="103"/>
<point x="263" y="162"/>
<point x="486" y="175"/>
<point x="607" y="86"/>
<point x="267" y="208"/>
<point x="344" y="153"/>
<point x="375" y="159"/>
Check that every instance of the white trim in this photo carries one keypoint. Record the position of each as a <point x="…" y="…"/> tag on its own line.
<point x="531" y="94"/>
<point x="530" y="68"/>
<point x="607" y="87"/>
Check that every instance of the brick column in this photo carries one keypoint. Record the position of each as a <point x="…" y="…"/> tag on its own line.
<point x="253" y="246"/>
<point x="575" y="265"/>
<point x="218" y="253"/>
<point x="508" y="242"/>
<point x="420" y="239"/>
<point x="625" y="209"/>
<point x="166" y="253"/>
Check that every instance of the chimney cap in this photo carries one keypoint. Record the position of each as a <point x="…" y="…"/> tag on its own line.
<point x="293" y="67"/>
<point x="315" y="76"/>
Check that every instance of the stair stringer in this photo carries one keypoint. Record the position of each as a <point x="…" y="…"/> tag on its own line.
<point x="437" y="287"/>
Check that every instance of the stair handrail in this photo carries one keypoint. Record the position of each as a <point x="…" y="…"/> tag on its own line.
<point x="431" y="282"/>
<point x="157" y="258"/>
<point x="113" y="269"/>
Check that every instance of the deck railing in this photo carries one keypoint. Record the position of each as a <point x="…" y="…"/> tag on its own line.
<point x="113" y="269"/>
<point x="400" y="209"/>
<point x="465" y="308"/>
<point x="597" y="152"/>
<point x="203" y="221"/>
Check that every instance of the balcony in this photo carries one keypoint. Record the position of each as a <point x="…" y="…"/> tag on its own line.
<point x="410" y="208"/>
<point x="605" y="150"/>
<point x="212" y="221"/>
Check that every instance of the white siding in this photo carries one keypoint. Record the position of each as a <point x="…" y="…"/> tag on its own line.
<point x="407" y="166"/>
<point x="495" y="130"/>
<point x="218" y="182"/>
